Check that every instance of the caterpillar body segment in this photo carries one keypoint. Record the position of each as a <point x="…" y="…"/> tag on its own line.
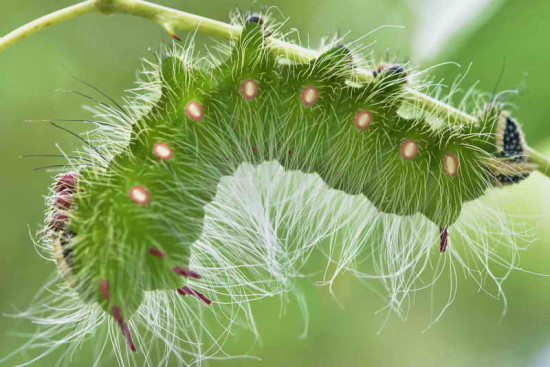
<point x="131" y="227"/>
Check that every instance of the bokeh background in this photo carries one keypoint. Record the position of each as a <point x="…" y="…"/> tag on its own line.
<point x="506" y="43"/>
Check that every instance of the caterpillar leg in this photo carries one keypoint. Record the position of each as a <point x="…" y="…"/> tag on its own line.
<point x="444" y="239"/>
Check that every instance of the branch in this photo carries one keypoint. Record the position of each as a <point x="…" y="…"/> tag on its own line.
<point x="173" y="20"/>
<point x="39" y="24"/>
<point x="542" y="162"/>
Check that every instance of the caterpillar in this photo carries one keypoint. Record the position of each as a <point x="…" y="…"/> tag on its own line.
<point x="127" y="226"/>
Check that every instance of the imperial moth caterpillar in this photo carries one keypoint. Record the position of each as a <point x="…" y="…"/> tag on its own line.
<point x="128" y="230"/>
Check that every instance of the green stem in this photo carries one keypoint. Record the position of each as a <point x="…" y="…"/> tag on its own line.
<point x="172" y="20"/>
<point x="39" y="24"/>
<point x="542" y="162"/>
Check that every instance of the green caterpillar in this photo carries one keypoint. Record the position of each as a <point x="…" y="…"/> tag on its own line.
<point x="130" y="223"/>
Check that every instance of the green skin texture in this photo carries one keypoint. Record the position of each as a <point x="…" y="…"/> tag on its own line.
<point x="114" y="234"/>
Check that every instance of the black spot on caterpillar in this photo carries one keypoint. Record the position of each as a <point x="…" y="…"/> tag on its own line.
<point x="255" y="19"/>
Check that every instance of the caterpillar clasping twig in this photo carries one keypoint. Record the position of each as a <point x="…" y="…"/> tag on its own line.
<point x="302" y="150"/>
<point x="173" y="20"/>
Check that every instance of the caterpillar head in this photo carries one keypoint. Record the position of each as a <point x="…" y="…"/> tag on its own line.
<point x="513" y="164"/>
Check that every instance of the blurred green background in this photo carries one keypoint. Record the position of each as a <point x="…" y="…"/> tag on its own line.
<point x="491" y="35"/>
